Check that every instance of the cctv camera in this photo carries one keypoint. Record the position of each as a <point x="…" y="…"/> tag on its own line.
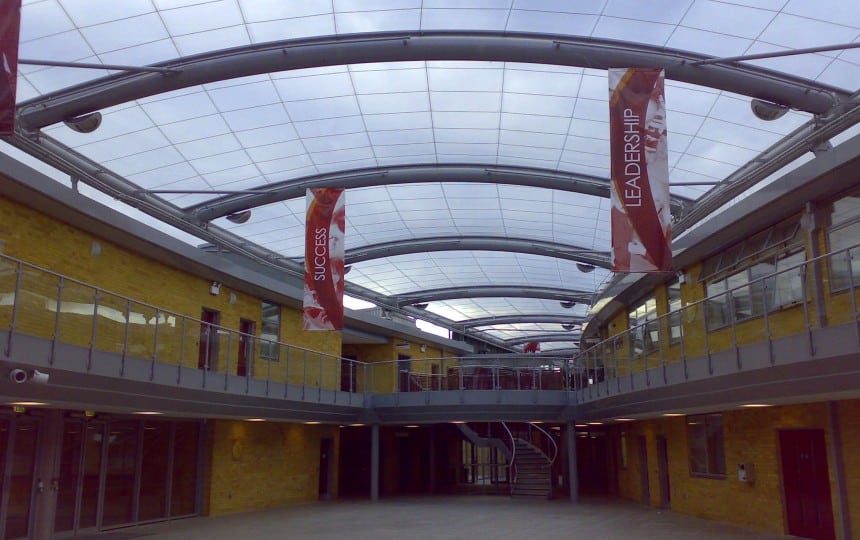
<point x="85" y="123"/>
<point x="765" y="110"/>
<point x="39" y="378"/>
<point x="18" y="376"/>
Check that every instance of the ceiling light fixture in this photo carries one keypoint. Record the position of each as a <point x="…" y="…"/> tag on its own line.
<point x="567" y="304"/>
<point x="766" y="110"/>
<point x="239" y="217"/>
<point x="584" y="268"/>
<point x="85" y="123"/>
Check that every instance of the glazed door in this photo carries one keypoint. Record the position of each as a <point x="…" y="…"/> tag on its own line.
<point x="326" y="463"/>
<point x="643" y="470"/>
<point x="19" y="437"/>
<point x="663" y="472"/>
<point x="79" y="476"/>
<point x="806" y="482"/>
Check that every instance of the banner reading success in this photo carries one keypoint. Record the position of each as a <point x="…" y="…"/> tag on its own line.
<point x="324" y="235"/>
<point x="641" y="218"/>
<point x="10" y="26"/>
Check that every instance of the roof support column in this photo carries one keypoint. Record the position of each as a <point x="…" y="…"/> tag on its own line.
<point x="374" y="462"/>
<point x="573" y="479"/>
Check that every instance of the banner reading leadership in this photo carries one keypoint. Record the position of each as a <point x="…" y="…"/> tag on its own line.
<point x="324" y="234"/>
<point x="640" y="217"/>
<point x="10" y="27"/>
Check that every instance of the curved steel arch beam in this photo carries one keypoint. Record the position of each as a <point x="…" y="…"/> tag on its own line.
<point x="542" y="337"/>
<point x="414" y="174"/>
<point x="321" y="51"/>
<point x="519" y="319"/>
<point x="491" y="291"/>
<point x="478" y="243"/>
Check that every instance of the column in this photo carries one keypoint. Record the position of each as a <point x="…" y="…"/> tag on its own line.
<point x="374" y="462"/>
<point x="573" y="479"/>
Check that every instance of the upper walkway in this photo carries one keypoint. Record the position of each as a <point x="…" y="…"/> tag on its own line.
<point x="103" y="350"/>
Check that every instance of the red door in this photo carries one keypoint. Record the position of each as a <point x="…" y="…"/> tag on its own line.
<point x="806" y="482"/>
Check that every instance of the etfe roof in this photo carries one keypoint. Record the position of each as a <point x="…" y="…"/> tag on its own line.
<point x="472" y="136"/>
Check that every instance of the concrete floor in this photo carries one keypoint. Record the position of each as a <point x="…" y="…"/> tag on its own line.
<point x="451" y="517"/>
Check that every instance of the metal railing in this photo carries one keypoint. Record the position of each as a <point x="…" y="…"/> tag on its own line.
<point x="792" y="301"/>
<point x="38" y="302"/>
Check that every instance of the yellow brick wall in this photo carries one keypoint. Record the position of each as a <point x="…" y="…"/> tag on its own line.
<point x="751" y="436"/>
<point x="43" y="241"/>
<point x="257" y="465"/>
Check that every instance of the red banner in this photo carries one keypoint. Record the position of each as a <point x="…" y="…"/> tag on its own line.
<point x="10" y="26"/>
<point x="324" y="235"/>
<point x="641" y="218"/>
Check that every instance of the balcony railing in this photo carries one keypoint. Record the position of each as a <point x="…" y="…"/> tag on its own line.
<point x="793" y="301"/>
<point x="41" y="303"/>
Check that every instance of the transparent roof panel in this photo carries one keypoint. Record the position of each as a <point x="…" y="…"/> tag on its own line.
<point x="251" y="132"/>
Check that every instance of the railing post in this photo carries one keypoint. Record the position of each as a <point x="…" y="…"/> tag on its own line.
<point x="181" y="352"/>
<point x="683" y="348"/>
<point x="852" y="293"/>
<point x="304" y="372"/>
<point x="56" y="335"/>
<point x="735" y="346"/>
<point x="707" y="339"/>
<point x="126" y="332"/>
<point x="19" y="269"/>
<point x="805" y="299"/>
<point x="154" y="346"/>
<point x="767" y="334"/>
<point x="286" y="368"/>
<point x="93" y="334"/>
<point x="268" y="373"/>
<point x="227" y="358"/>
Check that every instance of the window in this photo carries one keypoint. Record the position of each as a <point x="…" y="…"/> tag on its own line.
<point x="842" y="234"/>
<point x="270" y="332"/>
<point x="705" y="439"/>
<point x="642" y="320"/>
<point x="735" y="289"/>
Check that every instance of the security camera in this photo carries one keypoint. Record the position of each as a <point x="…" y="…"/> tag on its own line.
<point x="765" y="110"/>
<point x="39" y="378"/>
<point x="18" y="376"/>
<point x="85" y="123"/>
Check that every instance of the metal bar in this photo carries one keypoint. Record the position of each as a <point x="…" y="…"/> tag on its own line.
<point x="88" y="65"/>
<point x="851" y="291"/>
<point x="776" y="54"/>
<point x="93" y="334"/>
<point x="204" y="191"/>
<point x="181" y="352"/>
<point x="125" y="337"/>
<point x="286" y="368"/>
<point x="57" y="320"/>
<point x="154" y="346"/>
<point x="731" y="305"/>
<point x="227" y="359"/>
<point x="768" y="336"/>
<point x="806" y="319"/>
<point x="19" y="269"/>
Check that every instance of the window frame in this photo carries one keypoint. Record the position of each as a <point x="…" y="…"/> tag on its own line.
<point x="266" y="325"/>
<point x="714" y="445"/>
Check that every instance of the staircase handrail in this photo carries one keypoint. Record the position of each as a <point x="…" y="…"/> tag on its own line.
<point x="551" y="440"/>
<point x="512" y="464"/>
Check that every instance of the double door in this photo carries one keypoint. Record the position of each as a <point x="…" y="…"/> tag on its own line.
<point x="65" y="475"/>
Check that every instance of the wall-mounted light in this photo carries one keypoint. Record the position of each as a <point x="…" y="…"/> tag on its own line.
<point x="422" y="348"/>
<point x="239" y="217"/>
<point x="215" y="288"/>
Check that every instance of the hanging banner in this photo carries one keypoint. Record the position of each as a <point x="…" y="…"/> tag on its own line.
<point x="640" y="217"/>
<point x="324" y="234"/>
<point x="10" y="26"/>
